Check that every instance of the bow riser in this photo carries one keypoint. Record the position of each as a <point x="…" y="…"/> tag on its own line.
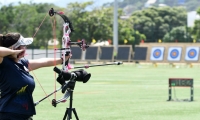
<point x="65" y="44"/>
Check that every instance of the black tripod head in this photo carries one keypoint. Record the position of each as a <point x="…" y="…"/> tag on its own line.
<point x="78" y="75"/>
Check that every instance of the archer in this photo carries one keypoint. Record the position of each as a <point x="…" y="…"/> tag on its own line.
<point x="16" y="84"/>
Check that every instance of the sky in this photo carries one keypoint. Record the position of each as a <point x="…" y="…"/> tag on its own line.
<point x="61" y="3"/>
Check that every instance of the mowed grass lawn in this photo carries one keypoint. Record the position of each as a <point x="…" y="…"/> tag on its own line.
<point x="125" y="92"/>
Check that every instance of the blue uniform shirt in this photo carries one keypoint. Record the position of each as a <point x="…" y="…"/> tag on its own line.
<point x="16" y="87"/>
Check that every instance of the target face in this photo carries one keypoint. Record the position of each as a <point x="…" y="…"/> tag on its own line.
<point x="174" y="53"/>
<point x="192" y="53"/>
<point x="157" y="53"/>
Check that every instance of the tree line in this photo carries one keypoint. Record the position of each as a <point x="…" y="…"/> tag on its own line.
<point x="150" y="25"/>
<point x="129" y="6"/>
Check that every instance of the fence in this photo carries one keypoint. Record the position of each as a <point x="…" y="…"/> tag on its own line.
<point x="91" y="54"/>
<point x="145" y="52"/>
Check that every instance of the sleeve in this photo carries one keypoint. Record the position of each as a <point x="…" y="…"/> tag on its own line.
<point x="24" y="61"/>
<point x="5" y="62"/>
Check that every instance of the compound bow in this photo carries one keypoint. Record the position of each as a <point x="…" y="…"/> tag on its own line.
<point x="66" y="50"/>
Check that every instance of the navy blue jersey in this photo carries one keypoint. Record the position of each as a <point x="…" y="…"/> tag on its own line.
<point x="16" y="87"/>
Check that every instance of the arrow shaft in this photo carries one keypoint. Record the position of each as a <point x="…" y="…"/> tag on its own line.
<point x="87" y="66"/>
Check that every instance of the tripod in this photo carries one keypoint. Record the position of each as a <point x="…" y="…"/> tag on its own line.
<point x="68" y="112"/>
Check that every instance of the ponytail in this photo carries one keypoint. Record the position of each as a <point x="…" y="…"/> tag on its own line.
<point x="1" y="39"/>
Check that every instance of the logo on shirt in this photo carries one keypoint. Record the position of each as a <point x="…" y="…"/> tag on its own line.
<point x="22" y="90"/>
<point x="21" y="97"/>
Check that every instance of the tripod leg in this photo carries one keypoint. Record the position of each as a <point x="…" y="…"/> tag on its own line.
<point x="74" y="111"/>
<point x="66" y="114"/>
<point x="69" y="114"/>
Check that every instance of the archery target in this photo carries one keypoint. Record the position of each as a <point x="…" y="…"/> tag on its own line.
<point x="174" y="54"/>
<point x="192" y="53"/>
<point x="157" y="53"/>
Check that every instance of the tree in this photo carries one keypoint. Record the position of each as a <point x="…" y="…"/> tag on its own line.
<point x="178" y="34"/>
<point x="27" y="19"/>
<point x="156" y="22"/>
<point x="128" y="6"/>
<point x="6" y="19"/>
<point x="97" y="23"/>
<point x="196" y="29"/>
<point x="90" y="24"/>
<point x="126" y="32"/>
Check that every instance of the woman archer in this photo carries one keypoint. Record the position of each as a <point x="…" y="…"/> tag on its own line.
<point x="16" y="84"/>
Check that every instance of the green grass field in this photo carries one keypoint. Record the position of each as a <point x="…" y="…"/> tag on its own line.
<point x="126" y="92"/>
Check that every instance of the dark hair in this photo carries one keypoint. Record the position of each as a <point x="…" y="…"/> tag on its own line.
<point x="9" y="39"/>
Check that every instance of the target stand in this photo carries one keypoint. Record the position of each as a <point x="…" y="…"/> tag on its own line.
<point x="181" y="82"/>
